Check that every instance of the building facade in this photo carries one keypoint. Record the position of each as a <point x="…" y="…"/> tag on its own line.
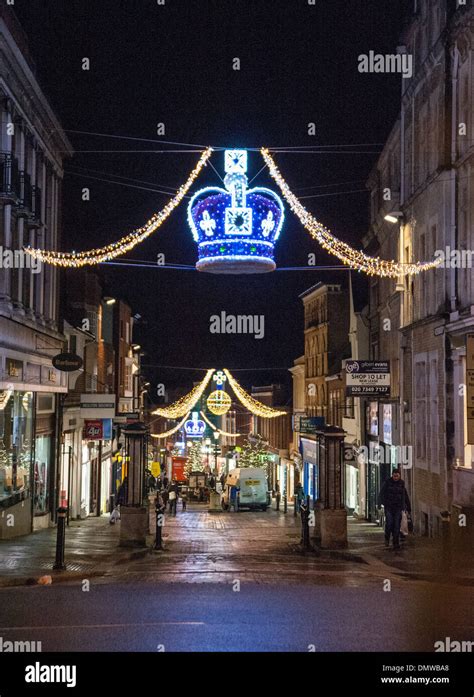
<point x="32" y="148"/>
<point x="422" y="323"/>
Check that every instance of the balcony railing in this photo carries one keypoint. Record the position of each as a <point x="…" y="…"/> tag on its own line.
<point x="10" y="184"/>
<point x="33" y="214"/>
<point x="26" y="194"/>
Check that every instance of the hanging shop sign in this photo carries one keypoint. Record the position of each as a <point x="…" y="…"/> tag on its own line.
<point x="367" y="378"/>
<point x="93" y="430"/>
<point x="97" y="429"/>
<point x="310" y="424"/>
<point x="155" y="469"/>
<point x="235" y="228"/>
<point x="67" y="362"/>
<point x="96" y="406"/>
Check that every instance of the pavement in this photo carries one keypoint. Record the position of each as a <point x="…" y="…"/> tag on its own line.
<point x="219" y="547"/>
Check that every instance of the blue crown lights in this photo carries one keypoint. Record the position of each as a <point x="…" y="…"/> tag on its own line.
<point x="235" y="228"/>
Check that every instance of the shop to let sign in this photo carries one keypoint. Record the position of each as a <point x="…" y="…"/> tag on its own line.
<point x="367" y="378"/>
<point x="470" y="387"/>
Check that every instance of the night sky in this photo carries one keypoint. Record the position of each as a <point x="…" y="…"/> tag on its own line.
<point x="173" y="64"/>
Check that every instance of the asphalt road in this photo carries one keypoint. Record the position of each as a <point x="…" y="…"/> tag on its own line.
<point x="152" y="616"/>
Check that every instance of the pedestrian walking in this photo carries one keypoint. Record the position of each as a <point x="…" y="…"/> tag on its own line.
<point x="173" y="497"/>
<point x="122" y="493"/>
<point x="299" y="496"/>
<point x="165" y="497"/>
<point x="394" y="498"/>
<point x="277" y="495"/>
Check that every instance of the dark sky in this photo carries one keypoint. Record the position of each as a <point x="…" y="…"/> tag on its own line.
<point x="173" y="64"/>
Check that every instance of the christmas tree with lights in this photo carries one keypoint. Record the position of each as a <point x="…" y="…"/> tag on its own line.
<point x="194" y="463"/>
<point x="254" y="453"/>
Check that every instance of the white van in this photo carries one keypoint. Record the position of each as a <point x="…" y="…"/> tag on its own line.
<point x="246" y="487"/>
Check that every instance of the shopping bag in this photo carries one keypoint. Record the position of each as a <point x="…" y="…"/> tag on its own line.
<point x="404" y="523"/>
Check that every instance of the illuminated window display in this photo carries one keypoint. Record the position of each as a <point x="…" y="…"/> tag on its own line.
<point x="41" y="473"/>
<point x="16" y="432"/>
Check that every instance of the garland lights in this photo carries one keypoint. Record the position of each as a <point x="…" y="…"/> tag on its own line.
<point x="349" y="256"/>
<point x="125" y="244"/>
<point x="165" y="434"/>
<point x="185" y="404"/>
<point x="219" y="430"/>
<point x="253" y="405"/>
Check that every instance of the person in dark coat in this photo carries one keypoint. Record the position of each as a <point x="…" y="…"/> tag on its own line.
<point x="122" y="493"/>
<point x="394" y="498"/>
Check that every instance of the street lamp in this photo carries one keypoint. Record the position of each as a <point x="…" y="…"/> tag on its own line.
<point x="110" y="301"/>
<point x="393" y="216"/>
<point x="207" y="443"/>
<point x="216" y="438"/>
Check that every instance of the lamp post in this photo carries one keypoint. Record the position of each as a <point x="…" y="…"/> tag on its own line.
<point x="207" y="443"/>
<point x="216" y="439"/>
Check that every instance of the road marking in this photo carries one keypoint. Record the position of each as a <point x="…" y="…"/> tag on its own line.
<point x="99" y="626"/>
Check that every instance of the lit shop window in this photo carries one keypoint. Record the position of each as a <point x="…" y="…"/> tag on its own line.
<point x="41" y="473"/>
<point x="16" y="432"/>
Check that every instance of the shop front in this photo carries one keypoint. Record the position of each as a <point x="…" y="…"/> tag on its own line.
<point x="16" y="462"/>
<point x="310" y="469"/>
<point x="351" y="481"/>
<point x="44" y="480"/>
<point x="286" y="478"/>
<point x="97" y="476"/>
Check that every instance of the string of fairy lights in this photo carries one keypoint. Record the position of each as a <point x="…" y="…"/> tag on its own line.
<point x="184" y="404"/>
<point x="355" y="259"/>
<point x="165" y="434"/>
<point x="219" y="430"/>
<point x="126" y="243"/>
<point x="349" y="256"/>
<point x="253" y="405"/>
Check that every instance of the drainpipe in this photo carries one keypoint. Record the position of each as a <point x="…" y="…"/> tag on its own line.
<point x="454" y="126"/>
<point x="401" y="281"/>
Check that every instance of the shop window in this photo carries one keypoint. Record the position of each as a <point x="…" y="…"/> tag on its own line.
<point x="16" y="433"/>
<point x="41" y="473"/>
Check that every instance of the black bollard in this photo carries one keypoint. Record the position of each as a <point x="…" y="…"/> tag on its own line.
<point x="278" y="498"/>
<point x="304" y="508"/>
<point x="60" y="539"/>
<point x="160" y="521"/>
<point x="285" y="503"/>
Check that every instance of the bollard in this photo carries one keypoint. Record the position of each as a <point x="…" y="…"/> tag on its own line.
<point x="60" y="539"/>
<point x="278" y="498"/>
<point x="304" y="508"/>
<point x="160" y="521"/>
<point x="295" y="506"/>
<point x="285" y="503"/>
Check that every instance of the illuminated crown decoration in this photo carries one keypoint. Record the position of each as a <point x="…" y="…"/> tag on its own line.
<point x="236" y="228"/>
